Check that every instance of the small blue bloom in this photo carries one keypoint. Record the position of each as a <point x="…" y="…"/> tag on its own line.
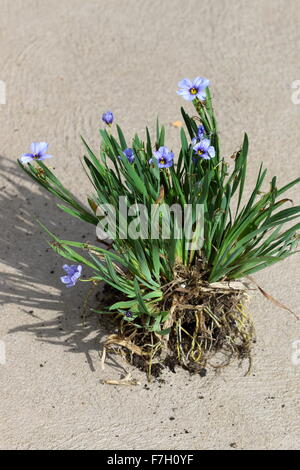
<point x="129" y="154"/>
<point x="189" y="90"/>
<point x="204" y="150"/>
<point x="164" y="157"/>
<point x="37" y="152"/>
<point x="200" y="134"/>
<point x="108" y="117"/>
<point x="129" y="314"/>
<point x="73" y="274"/>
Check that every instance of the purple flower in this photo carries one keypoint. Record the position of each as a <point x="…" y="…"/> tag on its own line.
<point x="204" y="150"/>
<point x="189" y="90"/>
<point x="129" y="314"/>
<point x="73" y="274"/>
<point x="129" y="154"/>
<point x="37" y="152"/>
<point x="200" y="134"/>
<point x="108" y="117"/>
<point x="164" y="157"/>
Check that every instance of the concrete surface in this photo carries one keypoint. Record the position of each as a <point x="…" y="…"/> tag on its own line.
<point x="65" y="62"/>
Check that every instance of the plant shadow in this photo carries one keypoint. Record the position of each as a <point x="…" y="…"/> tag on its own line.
<point x="30" y="270"/>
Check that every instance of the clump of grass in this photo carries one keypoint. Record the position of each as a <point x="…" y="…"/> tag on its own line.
<point x="174" y="303"/>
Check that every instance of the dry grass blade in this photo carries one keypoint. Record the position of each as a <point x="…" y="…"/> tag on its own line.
<point x="127" y="380"/>
<point x="271" y="299"/>
<point x="228" y="285"/>
<point x="124" y="342"/>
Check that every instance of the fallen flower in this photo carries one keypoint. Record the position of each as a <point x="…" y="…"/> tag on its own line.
<point x="73" y="274"/>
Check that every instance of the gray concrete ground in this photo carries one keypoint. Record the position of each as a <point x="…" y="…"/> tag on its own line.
<point x="64" y="63"/>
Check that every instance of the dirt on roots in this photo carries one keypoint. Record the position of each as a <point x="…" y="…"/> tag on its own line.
<point x="208" y="324"/>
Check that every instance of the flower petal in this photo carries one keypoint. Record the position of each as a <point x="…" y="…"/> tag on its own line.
<point x="185" y="83"/>
<point x="185" y="94"/>
<point x="73" y="269"/>
<point x="204" y="144"/>
<point x="190" y="98"/>
<point x="26" y="158"/>
<point x="44" y="156"/>
<point x="70" y="284"/>
<point x="65" y="279"/>
<point x="34" y="148"/>
<point x="201" y="95"/>
<point x="201" y="82"/>
<point x="211" y="151"/>
<point x="75" y="277"/>
<point x="163" y="151"/>
<point x="200" y="132"/>
<point x="67" y="268"/>
<point x="42" y="147"/>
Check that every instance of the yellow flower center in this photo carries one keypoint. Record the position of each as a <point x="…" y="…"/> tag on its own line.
<point x="193" y="91"/>
<point x="200" y="152"/>
<point x="162" y="161"/>
<point x="35" y="156"/>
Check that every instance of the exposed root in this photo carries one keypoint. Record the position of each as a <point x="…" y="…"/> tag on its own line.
<point x="209" y="324"/>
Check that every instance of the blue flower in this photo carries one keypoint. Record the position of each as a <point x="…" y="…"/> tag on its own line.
<point x="164" y="157"/>
<point x="204" y="150"/>
<point x="189" y="90"/>
<point x="129" y="154"/>
<point x="73" y="274"/>
<point x="108" y="117"/>
<point x="129" y="314"/>
<point x="37" y="152"/>
<point x="200" y="134"/>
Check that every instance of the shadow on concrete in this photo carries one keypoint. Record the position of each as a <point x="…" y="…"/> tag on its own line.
<point x="31" y="270"/>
